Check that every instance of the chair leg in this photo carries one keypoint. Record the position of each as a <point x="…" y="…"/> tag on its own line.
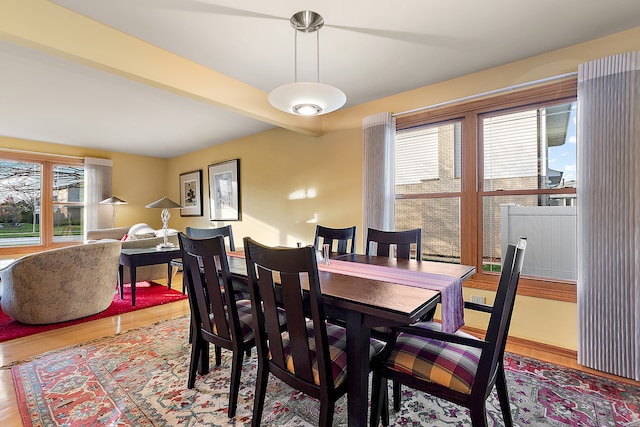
<point x="218" y="355"/>
<point x="503" y="396"/>
<point x="261" y="390"/>
<point x="479" y="416"/>
<point x="379" y="398"/>
<point x="397" y="396"/>
<point x="236" y="370"/>
<point x="203" y="365"/>
<point x="326" y="413"/>
<point x="193" y="366"/>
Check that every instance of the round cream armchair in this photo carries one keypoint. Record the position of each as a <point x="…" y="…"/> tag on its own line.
<point x="61" y="284"/>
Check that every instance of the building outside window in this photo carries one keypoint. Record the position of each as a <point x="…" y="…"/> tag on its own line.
<point x="41" y="201"/>
<point x="478" y="176"/>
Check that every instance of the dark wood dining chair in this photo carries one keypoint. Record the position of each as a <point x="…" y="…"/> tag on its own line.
<point x="221" y="321"/>
<point x="457" y="367"/>
<point x="310" y="355"/>
<point x="340" y="240"/>
<point x="203" y="233"/>
<point x="403" y="241"/>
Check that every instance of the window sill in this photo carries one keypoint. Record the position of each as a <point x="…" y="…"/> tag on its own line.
<point x="557" y="291"/>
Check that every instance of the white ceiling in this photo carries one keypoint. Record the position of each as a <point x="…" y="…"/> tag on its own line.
<point x="368" y="48"/>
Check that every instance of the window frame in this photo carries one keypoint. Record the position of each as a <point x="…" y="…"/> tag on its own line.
<point x="46" y="199"/>
<point x="472" y="193"/>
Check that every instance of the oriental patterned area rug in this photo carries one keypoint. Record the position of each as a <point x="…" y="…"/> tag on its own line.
<point x="139" y="379"/>
<point x="148" y="294"/>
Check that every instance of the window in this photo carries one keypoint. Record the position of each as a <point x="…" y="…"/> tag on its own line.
<point x="41" y="201"/>
<point x="428" y="188"/>
<point x="526" y="154"/>
<point x="477" y="175"/>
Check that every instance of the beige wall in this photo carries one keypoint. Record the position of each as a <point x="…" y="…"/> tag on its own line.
<point x="279" y="164"/>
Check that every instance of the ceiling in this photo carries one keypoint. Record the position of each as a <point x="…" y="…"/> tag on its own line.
<point x="369" y="49"/>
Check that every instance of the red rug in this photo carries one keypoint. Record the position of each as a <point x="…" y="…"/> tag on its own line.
<point x="148" y="294"/>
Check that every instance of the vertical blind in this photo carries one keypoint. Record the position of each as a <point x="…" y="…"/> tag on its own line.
<point x="609" y="215"/>
<point x="378" y="158"/>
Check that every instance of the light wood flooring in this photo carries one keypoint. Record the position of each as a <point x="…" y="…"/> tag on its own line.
<point x="28" y="347"/>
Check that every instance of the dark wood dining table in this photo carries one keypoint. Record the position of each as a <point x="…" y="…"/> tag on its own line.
<point x="366" y="303"/>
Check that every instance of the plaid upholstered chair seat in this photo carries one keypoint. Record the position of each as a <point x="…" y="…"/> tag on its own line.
<point x="245" y="319"/>
<point x="244" y="316"/>
<point x="337" y="340"/>
<point x="445" y="363"/>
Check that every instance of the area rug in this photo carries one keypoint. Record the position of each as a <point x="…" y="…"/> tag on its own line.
<point x="148" y="294"/>
<point x="139" y="379"/>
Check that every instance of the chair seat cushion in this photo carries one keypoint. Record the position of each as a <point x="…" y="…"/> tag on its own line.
<point x="450" y="365"/>
<point x="337" y="339"/>
<point x="245" y="317"/>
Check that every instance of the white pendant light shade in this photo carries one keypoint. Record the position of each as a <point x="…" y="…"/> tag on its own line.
<point x="307" y="98"/>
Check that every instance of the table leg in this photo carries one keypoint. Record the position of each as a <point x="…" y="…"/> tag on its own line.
<point x="132" y="273"/>
<point x="121" y="280"/>
<point x="357" y="368"/>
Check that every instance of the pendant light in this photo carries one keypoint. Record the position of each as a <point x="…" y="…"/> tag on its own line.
<point x="307" y="98"/>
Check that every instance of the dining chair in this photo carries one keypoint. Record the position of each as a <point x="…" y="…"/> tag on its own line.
<point x="338" y="237"/>
<point x="221" y="321"/>
<point x="402" y="240"/>
<point x="310" y="355"/>
<point x="456" y="367"/>
<point x="202" y="233"/>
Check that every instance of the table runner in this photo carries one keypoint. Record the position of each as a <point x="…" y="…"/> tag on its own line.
<point x="450" y="288"/>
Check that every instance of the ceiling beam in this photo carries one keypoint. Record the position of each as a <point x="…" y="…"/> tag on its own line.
<point x="53" y="29"/>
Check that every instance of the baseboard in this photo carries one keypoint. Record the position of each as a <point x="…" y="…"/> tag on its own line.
<point x="528" y="347"/>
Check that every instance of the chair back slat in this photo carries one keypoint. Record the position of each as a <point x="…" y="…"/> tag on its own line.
<point x="402" y="240"/>
<point x="267" y="320"/>
<point x="293" y="305"/>
<point x="340" y="240"/>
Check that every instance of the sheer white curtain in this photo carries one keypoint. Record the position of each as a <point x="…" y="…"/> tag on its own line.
<point x="97" y="187"/>
<point x="609" y="215"/>
<point x="378" y="179"/>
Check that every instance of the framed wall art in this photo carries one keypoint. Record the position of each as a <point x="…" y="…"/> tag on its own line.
<point x="191" y="193"/>
<point x="224" y="191"/>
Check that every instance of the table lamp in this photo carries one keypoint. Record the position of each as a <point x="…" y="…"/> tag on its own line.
<point x="165" y="204"/>
<point x="114" y="202"/>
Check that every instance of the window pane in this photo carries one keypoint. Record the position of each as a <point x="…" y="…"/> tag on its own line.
<point x="440" y="222"/>
<point x="20" y="199"/>
<point x="428" y="159"/>
<point x="532" y="149"/>
<point x="548" y="223"/>
<point x="68" y="193"/>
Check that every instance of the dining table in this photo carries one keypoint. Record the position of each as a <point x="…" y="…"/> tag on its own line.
<point x="371" y="291"/>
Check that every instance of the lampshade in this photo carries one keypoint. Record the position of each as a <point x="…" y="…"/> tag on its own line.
<point x="307" y="98"/>
<point x="296" y="98"/>
<point x="113" y="200"/>
<point x="164" y="203"/>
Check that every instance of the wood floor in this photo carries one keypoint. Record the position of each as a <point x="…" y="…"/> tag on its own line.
<point x="23" y="349"/>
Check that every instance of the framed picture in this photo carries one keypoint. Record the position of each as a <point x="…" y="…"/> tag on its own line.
<point x="191" y="193"/>
<point x="224" y="191"/>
